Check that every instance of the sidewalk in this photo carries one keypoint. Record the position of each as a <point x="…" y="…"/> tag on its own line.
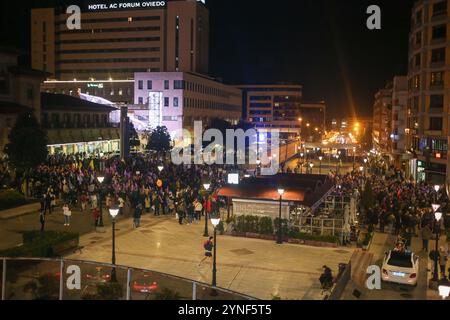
<point x="20" y="211"/>
<point x="255" y="267"/>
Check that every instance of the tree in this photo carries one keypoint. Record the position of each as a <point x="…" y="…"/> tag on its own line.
<point x="159" y="140"/>
<point x="27" y="147"/>
<point x="133" y="135"/>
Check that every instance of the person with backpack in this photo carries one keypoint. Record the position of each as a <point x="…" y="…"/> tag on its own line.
<point x="208" y="246"/>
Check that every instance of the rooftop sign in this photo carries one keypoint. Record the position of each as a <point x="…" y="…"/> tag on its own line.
<point x="125" y="5"/>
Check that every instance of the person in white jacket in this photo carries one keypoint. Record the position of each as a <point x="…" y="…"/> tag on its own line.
<point x="67" y="213"/>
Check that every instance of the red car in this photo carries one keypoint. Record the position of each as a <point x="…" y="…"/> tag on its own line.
<point x="145" y="284"/>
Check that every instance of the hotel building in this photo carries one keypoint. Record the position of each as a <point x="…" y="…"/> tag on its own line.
<point x="116" y="41"/>
<point x="428" y="90"/>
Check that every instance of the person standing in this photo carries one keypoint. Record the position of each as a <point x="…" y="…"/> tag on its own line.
<point x="137" y="216"/>
<point x="96" y="216"/>
<point x="67" y="213"/>
<point x="157" y="203"/>
<point x="84" y="201"/>
<point x="147" y="203"/>
<point x="198" y="207"/>
<point x="48" y="203"/>
<point x="42" y="220"/>
<point x="426" y="236"/>
<point x="121" y="205"/>
<point x="443" y="260"/>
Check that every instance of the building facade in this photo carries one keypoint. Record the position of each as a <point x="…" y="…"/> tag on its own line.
<point x="177" y="99"/>
<point x="398" y="121"/>
<point x="428" y="90"/>
<point x="74" y="125"/>
<point x="273" y="107"/>
<point x="382" y="120"/>
<point x="117" y="40"/>
<point x="19" y="92"/>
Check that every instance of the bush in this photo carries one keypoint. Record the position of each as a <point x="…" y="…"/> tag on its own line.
<point x="313" y="237"/>
<point x="251" y="224"/>
<point x="240" y="224"/>
<point x="265" y="225"/>
<point x="220" y="227"/>
<point x="10" y="199"/>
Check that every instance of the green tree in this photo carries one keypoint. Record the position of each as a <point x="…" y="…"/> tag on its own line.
<point x="27" y="147"/>
<point x="159" y="140"/>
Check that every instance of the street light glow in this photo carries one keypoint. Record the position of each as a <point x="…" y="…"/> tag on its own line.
<point x="437" y="187"/>
<point x="438" y="216"/>
<point x="280" y="191"/>
<point x="160" y="168"/>
<point x="215" y="222"/>
<point x="114" y="212"/>
<point x="100" y="179"/>
<point x="206" y="186"/>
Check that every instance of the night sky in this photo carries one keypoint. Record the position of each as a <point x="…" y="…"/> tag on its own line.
<point x="323" y="45"/>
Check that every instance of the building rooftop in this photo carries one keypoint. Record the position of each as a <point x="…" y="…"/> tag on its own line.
<point x="50" y="101"/>
<point x="306" y="189"/>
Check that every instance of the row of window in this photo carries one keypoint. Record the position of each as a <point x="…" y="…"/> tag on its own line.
<point x="102" y="30"/>
<point x="437" y="33"/>
<point x="260" y="98"/>
<point x="113" y="50"/>
<point x="77" y="120"/>
<point x="437" y="56"/>
<point x="107" y="71"/>
<point x="189" y="86"/>
<point x="95" y="92"/>
<point x="436" y="80"/>
<point x="111" y="60"/>
<point x="439" y="8"/>
<point x="119" y="19"/>
<point x="108" y="40"/>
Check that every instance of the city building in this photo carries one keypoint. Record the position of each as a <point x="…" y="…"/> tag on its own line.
<point x="75" y="125"/>
<point x="117" y="40"/>
<point x="382" y="119"/>
<point x="273" y="107"/>
<point x="398" y="122"/>
<point x="177" y="99"/>
<point x="19" y="92"/>
<point x="428" y="91"/>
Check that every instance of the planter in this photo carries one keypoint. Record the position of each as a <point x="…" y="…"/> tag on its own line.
<point x="311" y="243"/>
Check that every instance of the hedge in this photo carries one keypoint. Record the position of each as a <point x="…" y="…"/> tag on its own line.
<point x="267" y="226"/>
<point x="11" y="198"/>
<point x="37" y="244"/>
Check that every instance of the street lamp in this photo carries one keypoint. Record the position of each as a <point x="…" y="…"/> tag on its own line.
<point x="437" y="188"/>
<point x="311" y="165"/>
<point x="113" y="212"/>
<point x="444" y="290"/>
<point x="215" y="222"/>
<point x="437" y="216"/>
<point x="206" y="185"/>
<point x="280" y="238"/>
<point x="160" y="168"/>
<point x="100" y="179"/>
<point x="320" y="164"/>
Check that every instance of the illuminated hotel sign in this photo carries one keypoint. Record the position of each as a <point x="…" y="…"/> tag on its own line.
<point x="95" y="85"/>
<point x="125" y="5"/>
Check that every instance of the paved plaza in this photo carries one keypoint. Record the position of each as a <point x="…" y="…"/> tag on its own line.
<point x="258" y="268"/>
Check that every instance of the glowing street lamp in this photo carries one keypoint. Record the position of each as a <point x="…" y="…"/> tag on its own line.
<point x="437" y="188"/>
<point x="100" y="180"/>
<point x="160" y="168"/>
<point x="215" y="222"/>
<point x="437" y="216"/>
<point x="320" y="164"/>
<point x="444" y="290"/>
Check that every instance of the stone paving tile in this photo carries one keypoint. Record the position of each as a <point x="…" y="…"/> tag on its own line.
<point x="261" y="269"/>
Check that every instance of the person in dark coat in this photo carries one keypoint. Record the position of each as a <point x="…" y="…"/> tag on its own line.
<point x="137" y="216"/>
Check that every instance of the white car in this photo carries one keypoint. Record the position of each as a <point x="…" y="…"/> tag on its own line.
<point x="401" y="267"/>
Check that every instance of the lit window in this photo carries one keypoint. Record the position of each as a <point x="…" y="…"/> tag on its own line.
<point x="130" y="19"/>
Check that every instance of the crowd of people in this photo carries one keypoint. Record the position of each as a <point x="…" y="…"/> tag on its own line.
<point x="140" y="184"/>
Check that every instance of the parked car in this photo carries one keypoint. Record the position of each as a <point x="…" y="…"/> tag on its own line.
<point x="400" y="267"/>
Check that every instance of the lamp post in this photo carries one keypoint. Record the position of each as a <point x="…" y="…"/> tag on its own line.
<point x="113" y="212"/>
<point x="337" y="164"/>
<point x="320" y="164"/>
<point x="301" y="163"/>
<point x="258" y="167"/>
<point x="354" y="158"/>
<point x="160" y="168"/>
<point x="311" y="165"/>
<point x="100" y="179"/>
<point x="444" y="289"/>
<point x="280" y="237"/>
<point x="206" y="185"/>
<point x="215" y="222"/>
<point x="437" y="216"/>
<point x="437" y="188"/>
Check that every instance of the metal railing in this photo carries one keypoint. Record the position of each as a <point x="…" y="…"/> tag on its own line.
<point x="67" y="279"/>
<point x="320" y="226"/>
